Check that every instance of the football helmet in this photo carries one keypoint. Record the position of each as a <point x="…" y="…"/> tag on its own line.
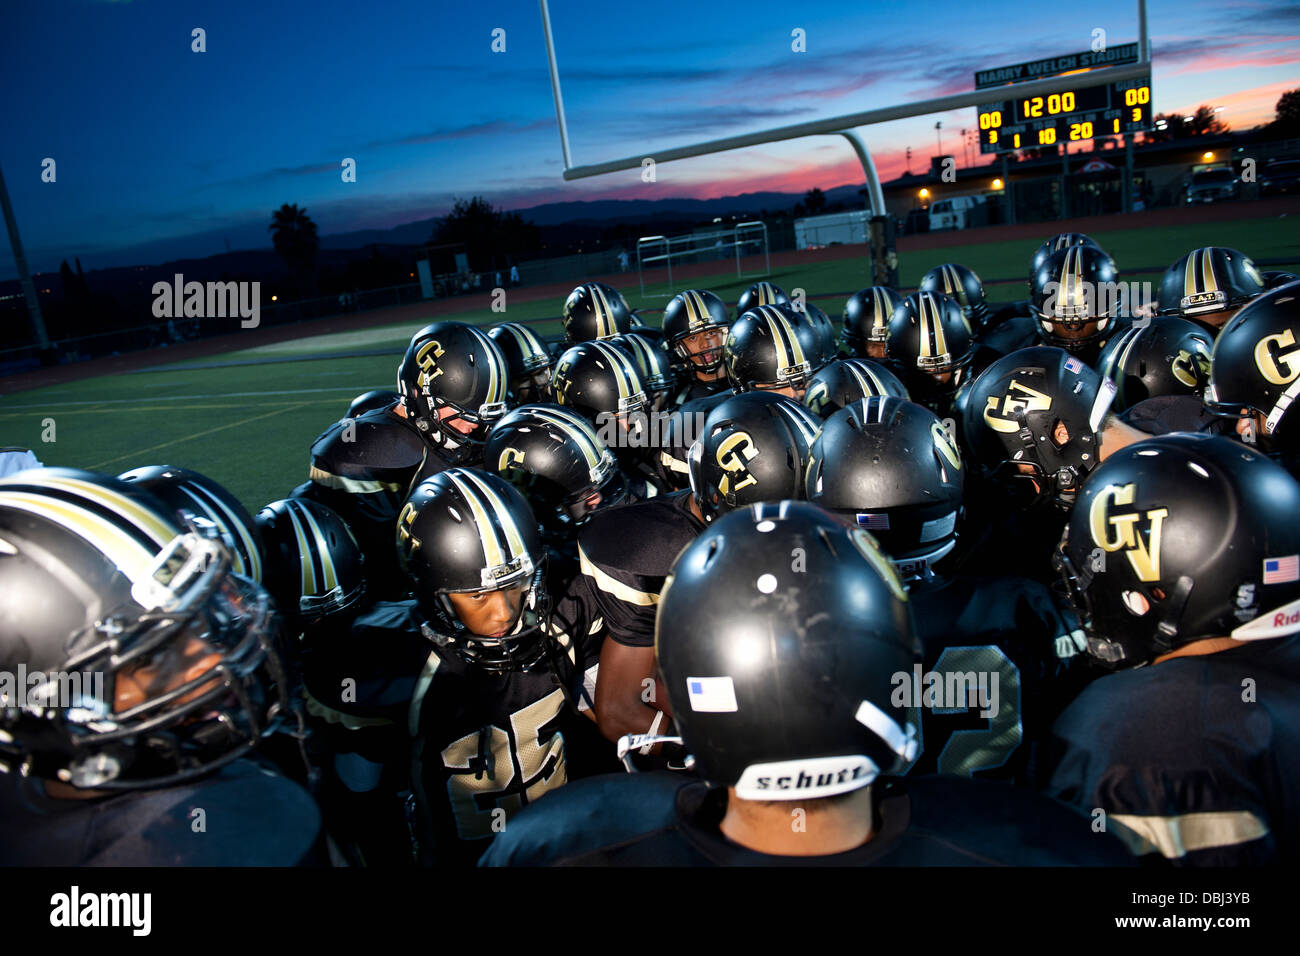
<point x="555" y="458"/>
<point x="598" y="380"/>
<point x="771" y="347"/>
<point x="866" y="320"/>
<point x="931" y="341"/>
<point x="314" y="566"/>
<point x="846" y="381"/>
<point x="781" y="673"/>
<point x="652" y="362"/>
<point x="1208" y="283"/>
<point x="371" y="400"/>
<point x="1035" y="416"/>
<point x="1167" y="357"/>
<point x="593" y="311"/>
<point x="690" y="313"/>
<point x="190" y="494"/>
<point x="962" y="284"/>
<point x="1274" y="279"/>
<point x="890" y="466"/>
<point x="753" y="448"/>
<point x="1075" y="297"/>
<point x="761" y="293"/>
<point x="526" y="358"/>
<point x="1063" y="240"/>
<point x="825" y="329"/>
<point x="166" y="661"/>
<point x="467" y="532"/>
<point x="457" y="366"/>
<point x="1178" y="538"/>
<point x="1255" y="365"/>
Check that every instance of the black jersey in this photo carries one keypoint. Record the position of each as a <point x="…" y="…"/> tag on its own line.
<point x="694" y="389"/>
<point x="1199" y="757"/>
<point x="919" y="821"/>
<point x="364" y="468"/>
<point x="1176" y="413"/>
<point x="625" y="554"/>
<point x="1009" y="332"/>
<point x="243" y="815"/>
<point x="1004" y="535"/>
<point x="1000" y="663"/>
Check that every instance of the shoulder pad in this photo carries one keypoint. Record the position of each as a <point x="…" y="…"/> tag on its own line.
<point x="377" y="445"/>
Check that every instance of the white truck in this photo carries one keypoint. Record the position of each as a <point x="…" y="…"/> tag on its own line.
<point x="952" y="213"/>
<point x="836" y="228"/>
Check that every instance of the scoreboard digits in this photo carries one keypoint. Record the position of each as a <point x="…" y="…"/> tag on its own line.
<point x="1071" y="115"/>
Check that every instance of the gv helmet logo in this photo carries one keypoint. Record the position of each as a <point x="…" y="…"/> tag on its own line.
<point x="732" y="454"/>
<point x="509" y="458"/>
<point x="1276" y="366"/>
<point x="1118" y="530"/>
<point x="816" y="397"/>
<point x="1191" y="368"/>
<point x="408" y="543"/>
<point x="947" y="447"/>
<point x="1027" y="400"/>
<point x="429" y="369"/>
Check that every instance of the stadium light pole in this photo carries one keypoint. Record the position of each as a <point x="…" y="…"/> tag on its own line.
<point x="24" y="276"/>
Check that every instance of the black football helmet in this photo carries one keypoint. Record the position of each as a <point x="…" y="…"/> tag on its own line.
<point x="1208" y="284"/>
<point x="166" y="660"/>
<point x="653" y="364"/>
<point x="753" y="448"/>
<point x="1256" y="366"/>
<point x="846" y="381"/>
<point x="190" y="494"/>
<point x="890" y="466"/>
<point x="761" y="293"/>
<point x="464" y="531"/>
<point x="527" y="359"/>
<point x="555" y="458"/>
<point x="1273" y="279"/>
<point x="931" y="341"/>
<point x="1075" y="297"/>
<point x="771" y="347"/>
<point x="1178" y="538"/>
<point x="780" y="671"/>
<point x="690" y="313"/>
<point x="1035" y="416"/>
<point x="1063" y="240"/>
<point x="1167" y="357"/>
<point x="371" y="400"/>
<point x="593" y="311"/>
<point x="825" y="329"/>
<point x="599" y="380"/>
<point x="962" y="284"/>
<point x="457" y="366"/>
<point x="866" y="320"/>
<point x="314" y="566"/>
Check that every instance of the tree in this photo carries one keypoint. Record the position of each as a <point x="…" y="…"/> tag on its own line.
<point x="296" y="242"/>
<point x="1204" y="122"/>
<point x="487" y="233"/>
<point x="1287" y="122"/>
<point x="814" y="201"/>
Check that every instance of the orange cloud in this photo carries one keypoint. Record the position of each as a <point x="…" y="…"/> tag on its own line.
<point x="1244" y="108"/>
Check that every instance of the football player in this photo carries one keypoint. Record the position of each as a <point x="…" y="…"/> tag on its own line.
<point x="1209" y="286"/>
<point x="1077" y="302"/>
<point x="866" y="321"/>
<point x="963" y="285"/>
<point x="369" y="401"/>
<point x="761" y="293"/>
<point x="846" y="381"/>
<point x="1163" y="359"/>
<point x="453" y="381"/>
<point x="594" y="311"/>
<point x="1181" y="558"/>
<point x="932" y="348"/>
<point x="752" y="449"/>
<point x="1036" y="422"/>
<point x="772" y="348"/>
<point x="528" y="361"/>
<point x="785" y="677"/>
<point x="652" y="362"/>
<point x="151" y="675"/>
<point x="890" y="466"/>
<point x="694" y="328"/>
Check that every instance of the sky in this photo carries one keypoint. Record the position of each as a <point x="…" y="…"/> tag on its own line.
<point x="161" y="151"/>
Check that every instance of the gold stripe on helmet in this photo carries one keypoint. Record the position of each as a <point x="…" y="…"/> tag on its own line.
<point x="307" y="568"/>
<point x="514" y="537"/>
<point x="577" y="429"/>
<point x="142" y="517"/>
<point x="494" y="550"/>
<point x="237" y="531"/>
<point x="323" y="549"/>
<point x="496" y="368"/>
<point x="130" y="556"/>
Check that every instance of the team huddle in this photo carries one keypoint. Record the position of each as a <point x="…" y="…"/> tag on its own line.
<point x="952" y="583"/>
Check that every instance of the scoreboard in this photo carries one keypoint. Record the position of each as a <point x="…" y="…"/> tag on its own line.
<point x="1029" y="122"/>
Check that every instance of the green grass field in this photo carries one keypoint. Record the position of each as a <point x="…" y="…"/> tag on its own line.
<point x="250" y="426"/>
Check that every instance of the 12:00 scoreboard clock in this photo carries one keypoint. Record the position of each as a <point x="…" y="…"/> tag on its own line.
<point x="1029" y="122"/>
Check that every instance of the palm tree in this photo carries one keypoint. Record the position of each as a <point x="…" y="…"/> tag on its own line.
<point x="296" y="241"/>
